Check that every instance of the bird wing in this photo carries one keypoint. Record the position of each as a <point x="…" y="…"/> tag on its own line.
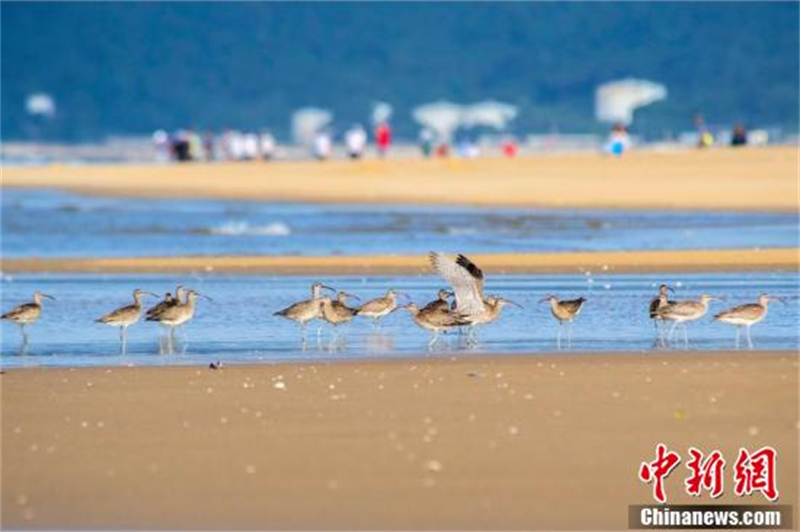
<point x="680" y="308"/>
<point x="573" y="306"/>
<point x="19" y="311"/>
<point x="748" y="311"/>
<point x="374" y="305"/>
<point x="116" y="314"/>
<point x="465" y="278"/>
<point x="157" y="309"/>
<point x="436" y="304"/>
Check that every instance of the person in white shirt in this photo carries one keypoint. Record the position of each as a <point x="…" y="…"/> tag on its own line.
<point x="356" y="141"/>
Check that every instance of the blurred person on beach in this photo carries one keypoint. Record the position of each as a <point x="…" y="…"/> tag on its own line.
<point x="704" y="137"/>
<point x="180" y="146"/>
<point x="510" y="148"/>
<point x="161" y="145"/>
<point x="208" y="146"/>
<point x="225" y="144"/>
<point x="250" y="147"/>
<point x="383" y="138"/>
<point x="739" y="136"/>
<point x="468" y="149"/>
<point x="355" y="140"/>
<point x="321" y="145"/>
<point x="618" y="140"/>
<point x="426" y="142"/>
<point x="266" y="146"/>
<point x="195" y="145"/>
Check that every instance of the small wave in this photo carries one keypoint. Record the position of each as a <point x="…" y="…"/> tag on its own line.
<point x="244" y="228"/>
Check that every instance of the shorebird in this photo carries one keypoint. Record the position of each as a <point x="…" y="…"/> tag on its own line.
<point x="178" y="313"/>
<point x="441" y="302"/>
<point x="336" y="311"/>
<point x="126" y="316"/>
<point x="380" y="306"/>
<point x="435" y="319"/>
<point x="26" y="314"/>
<point x="745" y="316"/>
<point x="681" y="312"/>
<point x="493" y="306"/>
<point x="564" y="311"/>
<point x="659" y="302"/>
<point x="305" y="311"/>
<point x="167" y="302"/>
<point x="466" y="279"/>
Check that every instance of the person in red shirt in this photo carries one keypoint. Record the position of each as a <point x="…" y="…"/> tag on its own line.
<point x="383" y="138"/>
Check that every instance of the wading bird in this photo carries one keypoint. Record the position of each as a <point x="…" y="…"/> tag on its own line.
<point x="336" y="311"/>
<point x="126" y="316"/>
<point x="465" y="278"/>
<point x="441" y="302"/>
<point x="745" y="316"/>
<point x="178" y="314"/>
<point x="305" y="311"/>
<point x="435" y="319"/>
<point x="681" y="312"/>
<point x="167" y="302"/>
<point x="493" y="306"/>
<point x="27" y="314"/>
<point x="564" y="311"/>
<point x="660" y="302"/>
<point x="380" y="306"/>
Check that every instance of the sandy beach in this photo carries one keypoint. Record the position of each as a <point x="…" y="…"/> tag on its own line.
<point x="737" y="260"/>
<point x="746" y="179"/>
<point x="466" y="443"/>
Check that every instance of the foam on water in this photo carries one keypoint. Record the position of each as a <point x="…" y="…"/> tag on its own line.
<point x="53" y="223"/>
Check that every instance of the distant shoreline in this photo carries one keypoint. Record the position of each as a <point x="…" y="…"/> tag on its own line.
<point x="735" y="260"/>
<point x="746" y="179"/>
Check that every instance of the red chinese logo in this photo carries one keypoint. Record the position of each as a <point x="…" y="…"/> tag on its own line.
<point x="753" y="472"/>
<point x="756" y="472"/>
<point x="657" y="470"/>
<point x="705" y="474"/>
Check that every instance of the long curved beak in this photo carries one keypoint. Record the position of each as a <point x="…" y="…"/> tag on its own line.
<point x="326" y="287"/>
<point x="408" y="297"/>
<point x="511" y="302"/>
<point x="776" y="298"/>
<point x="204" y="296"/>
<point x="544" y="299"/>
<point x="670" y="289"/>
<point x="348" y="294"/>
<point x="150" y="293"/>
<point x="48" y="297"/>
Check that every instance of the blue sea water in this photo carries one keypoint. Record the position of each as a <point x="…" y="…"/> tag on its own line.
<point x="239" y="326"/>
<point x="56" y="224"/>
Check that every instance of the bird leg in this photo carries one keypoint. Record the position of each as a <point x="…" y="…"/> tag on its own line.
<point x="24" y="335"/>
<point x="738" y="334"/>
<point x="749" y="339"/>
<point x="434" y="339"/>
<point x="558" y="336"/>
<point x="671" y="333"/>
<point x="569" y="334"/>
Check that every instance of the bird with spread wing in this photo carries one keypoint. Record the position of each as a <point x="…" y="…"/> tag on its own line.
<point x="466" y="279"/>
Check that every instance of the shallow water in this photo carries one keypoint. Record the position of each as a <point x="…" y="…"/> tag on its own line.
<point x="54" y="223"/>
<point x="614" y="318"/>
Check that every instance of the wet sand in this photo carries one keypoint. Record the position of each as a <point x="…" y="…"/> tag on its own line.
<point x="736" y="179"/>
<point x="533" y="442"/>
<point x="786" y="259"/>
